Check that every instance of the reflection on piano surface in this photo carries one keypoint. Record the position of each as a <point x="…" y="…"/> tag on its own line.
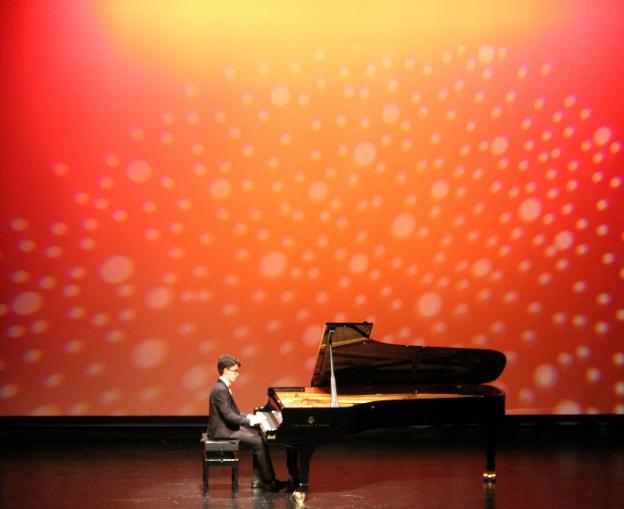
<point x="360" y="384"/>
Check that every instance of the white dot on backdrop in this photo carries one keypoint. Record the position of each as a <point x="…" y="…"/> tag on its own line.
<point x="499" y="145"/>
<point x="230" y="309"/>
<point x="565" y="359"/>
<point x="54" y="251"/>
<point x="99" y="319"/>
<point x="27" y="303"/>
<point x="286" y="347"/>
<point x="273" y="264"/>
<point x="15" y="331"/>
<point x="593" y="375"/>
<point x="139" y="171"/>
<point x="74" y="346"/>
<point x="618" y="388"/>
<point x="220" y="189"/>
<point x="53" y="380"/>
<point x="39" y="326"/>
<point x="312" y="335"/>
<point x="115" y="336"/>
<point x="149" y="353"/>
<point x="27" y="245"/>
<point x="77" y="272"/>
<point x="526" y="396"/>
<point x="43" y="410"/>
<point x="59" y="228"/>
<point x="564" y="240"/>
<point x="159" y="298"/>
<point x="486" y="53"/>
<point x="567" y="407"/>
<point x="33" y="355"/>
<point x="94" y="369"/>
<point x="116" y="269"/>
<point x="579" y="320"/>
<point x="196" y="377"/>
<point x="602" y="136"/>
<point x="439" y="189"/>
<point x="19" y="224"/>
<point x="358" y="263"/>
<point x="429" y="304"/>
<point x="149" y="394"/>
<point x="403" y="225"/>
<point x="364" y="154"/>
<point x="71" y="290"/>
<point x="545" y="375"/>
<point x="559" y="318"/>
<point x="481" y="267"/>
<point x="318" y="191"/>
<point x="579" y="286"/>
<point x="390" y="113"/>
<point x="280" y="96"/>
<point x="8" y="391"/>
<point x="530" y="209"/>
<point x="76" y="313"/>
<point x="61" y="169"/>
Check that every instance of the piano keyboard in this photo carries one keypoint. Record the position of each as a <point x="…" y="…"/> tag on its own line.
<point x="272" y="420"/>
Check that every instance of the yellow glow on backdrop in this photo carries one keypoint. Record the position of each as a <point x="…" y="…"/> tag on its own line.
<point x="184" y="33"/>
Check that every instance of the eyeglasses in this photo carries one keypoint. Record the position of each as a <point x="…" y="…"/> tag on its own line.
<point x="234" y="370"/>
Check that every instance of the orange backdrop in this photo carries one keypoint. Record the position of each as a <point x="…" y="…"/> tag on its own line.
<point x="185" y="179"/>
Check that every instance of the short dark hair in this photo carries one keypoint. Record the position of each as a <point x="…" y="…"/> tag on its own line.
<point x="227" y="361"/>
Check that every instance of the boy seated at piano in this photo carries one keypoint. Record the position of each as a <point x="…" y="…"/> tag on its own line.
<point x="225" y="421"/>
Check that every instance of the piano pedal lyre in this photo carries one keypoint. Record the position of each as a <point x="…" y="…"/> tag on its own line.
<point x="489" y="476"/>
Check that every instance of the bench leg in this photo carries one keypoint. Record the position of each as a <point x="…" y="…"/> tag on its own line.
<point x="205" y="474"/>
<point x="235" y="477"/>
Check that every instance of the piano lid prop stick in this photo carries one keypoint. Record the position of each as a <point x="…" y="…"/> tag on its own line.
<point x="332" y="377"/>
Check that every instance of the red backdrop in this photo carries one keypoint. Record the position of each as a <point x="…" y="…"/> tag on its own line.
<point x="181" y="180"/>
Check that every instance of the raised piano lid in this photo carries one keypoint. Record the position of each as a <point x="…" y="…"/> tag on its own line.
<point x="359" y="360"/>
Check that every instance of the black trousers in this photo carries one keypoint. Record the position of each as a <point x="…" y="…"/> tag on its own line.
<point x="254" y="438"/>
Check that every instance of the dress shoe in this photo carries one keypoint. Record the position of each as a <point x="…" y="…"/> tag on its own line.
<point x="278" y="485"/>
<point x="275" y="485"/>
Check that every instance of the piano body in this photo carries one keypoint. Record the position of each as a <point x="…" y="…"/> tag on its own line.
<point x="381" y="385"/>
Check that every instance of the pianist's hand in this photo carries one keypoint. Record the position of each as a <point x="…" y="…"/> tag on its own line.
<point x="255" y="419"/>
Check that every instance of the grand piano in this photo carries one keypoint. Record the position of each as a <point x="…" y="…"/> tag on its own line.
<point x="361" y="384"/>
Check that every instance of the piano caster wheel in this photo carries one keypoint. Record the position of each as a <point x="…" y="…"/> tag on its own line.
<point x="489" y="476"/>
<point x="299" y="497"/>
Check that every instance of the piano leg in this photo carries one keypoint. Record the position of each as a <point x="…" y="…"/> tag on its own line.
<point x="292" y="462"/>
<point x="489" y="476"/>
<point x="298" y="462"/>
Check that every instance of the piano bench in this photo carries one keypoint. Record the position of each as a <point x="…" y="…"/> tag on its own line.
<point x="219" y="453"/>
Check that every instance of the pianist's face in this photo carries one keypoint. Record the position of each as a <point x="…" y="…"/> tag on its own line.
<point x="231" y="373"/>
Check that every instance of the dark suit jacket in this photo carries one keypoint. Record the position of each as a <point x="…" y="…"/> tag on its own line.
<point x="225" y="417"/>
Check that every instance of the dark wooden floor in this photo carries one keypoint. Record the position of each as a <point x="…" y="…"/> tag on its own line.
<point x="423" y="468"/>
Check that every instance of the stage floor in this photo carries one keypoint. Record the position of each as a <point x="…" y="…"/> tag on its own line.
<point x="422" y="469"/>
